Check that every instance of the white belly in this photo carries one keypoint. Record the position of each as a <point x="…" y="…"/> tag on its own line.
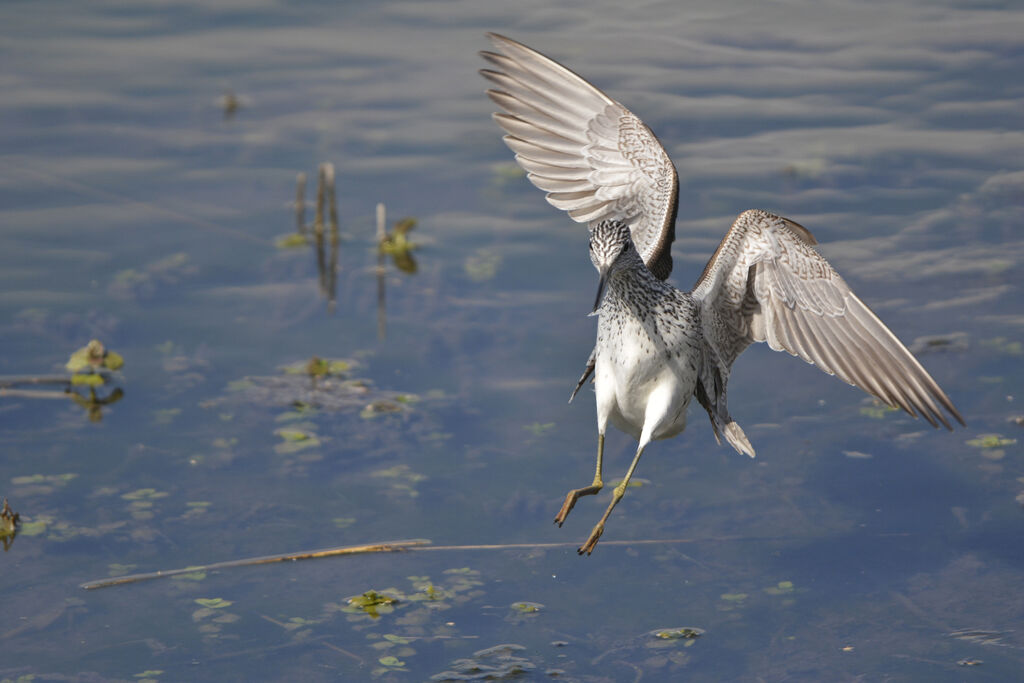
<point x="638" y="381"/>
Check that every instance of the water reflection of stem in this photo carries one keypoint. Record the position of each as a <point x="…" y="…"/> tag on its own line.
<point x="300" y="204"/>
<point x="332" y="215"/>
<point x="318" y="223"/>
<point x="381" y="295"/>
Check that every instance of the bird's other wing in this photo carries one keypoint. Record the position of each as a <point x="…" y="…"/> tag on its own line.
<point x="594" y="158"/>
<point x="767" y="283"/>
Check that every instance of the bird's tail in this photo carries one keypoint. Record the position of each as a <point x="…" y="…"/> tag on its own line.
<point x="737" y="439"/>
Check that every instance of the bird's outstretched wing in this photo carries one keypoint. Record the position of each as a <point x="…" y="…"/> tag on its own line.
<point x="767" y="283"/>
<point x="594" y="158"/>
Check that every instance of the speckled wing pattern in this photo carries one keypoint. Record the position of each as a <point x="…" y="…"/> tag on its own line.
<point x="767" y="283"/>
<point x="594" y="158"/>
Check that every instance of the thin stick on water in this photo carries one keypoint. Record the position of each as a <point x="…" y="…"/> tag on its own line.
<point x="33" y="393"/>
<point x="388" y="547"/>
<point x="16" y="380"/>
<point x="418" y="544"/>
<point x="300" y="204"/>
<point x="382" y="324"/>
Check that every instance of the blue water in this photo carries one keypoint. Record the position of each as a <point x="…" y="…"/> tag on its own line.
<point x="134" y="209"/>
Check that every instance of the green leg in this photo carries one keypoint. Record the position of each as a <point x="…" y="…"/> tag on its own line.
<point x="573" y="496"/>
<point x="620" y="491"/>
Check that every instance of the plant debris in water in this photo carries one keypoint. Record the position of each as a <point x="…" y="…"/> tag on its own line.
<point x="876" y="410"/>
<point x="9" y="520"/>
<point x="682" y="633"/>
<point x="398" y="245"/>
<point x="317" y="383"/>
<point x="955" y="341"/>
<point x="498" y="663"/>
<point x="991" y="441"/>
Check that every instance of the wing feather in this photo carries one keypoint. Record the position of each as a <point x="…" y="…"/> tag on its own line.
<point x="767" y="283"/>
<point x="593" y="157"/>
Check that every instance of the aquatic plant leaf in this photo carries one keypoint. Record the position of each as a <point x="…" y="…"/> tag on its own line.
<point x="292" y="241"/>
<point x="537" y="429"/>
<point x="877" y="410"/>
<point x="991" y="441"/>
<point x="482" y="265"/>
<point x="213" y="603"/>
<point x="527" y="607"/>
<point x="89" y="379"/>
<point x="781" y="588"/>
<point x="685" y="632"/>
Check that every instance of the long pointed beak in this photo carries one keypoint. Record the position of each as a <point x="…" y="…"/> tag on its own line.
<point x="603" y="272"/>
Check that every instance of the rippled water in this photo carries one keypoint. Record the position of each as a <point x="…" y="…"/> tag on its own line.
<point x="136" y="208"/>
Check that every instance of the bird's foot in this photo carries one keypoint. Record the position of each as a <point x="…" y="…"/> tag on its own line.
<point x="595" y="536"/>
<point x="570" y="501"/>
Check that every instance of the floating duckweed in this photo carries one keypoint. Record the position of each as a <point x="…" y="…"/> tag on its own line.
<point x="482" y="265"/>
<point x="295" y="440"/>
<point x="491" y="664"/>
<point x="292" y="241"/>
<point x="877" y="410"/>
<point x="781" y="588"/>
<point x="372" y="602"/>
<point x="214" y="603"/>
<point x="343" y="522"/>
<point x="292" y="434"/>
<point x="35" y="527"/>
<point x="537" y="429"/>
<point x="991" y="441"/>
<point x="53" y="479"/>
<point x="1004" y="345"/>
<point x="144" y="495"/>
<point x="87" y="380"/>
<point x="382" y="407"/>
<point x="734" y="597"/>
<point x="527" y="607"/>
<point x="93" y="357"/>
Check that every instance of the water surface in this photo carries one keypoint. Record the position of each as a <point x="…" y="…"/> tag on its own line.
<point x="136" y="210"/>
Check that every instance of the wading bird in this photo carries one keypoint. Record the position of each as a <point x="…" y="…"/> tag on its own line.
<point x="658" y="347"/>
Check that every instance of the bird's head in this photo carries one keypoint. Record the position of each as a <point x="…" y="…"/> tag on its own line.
<point x="611" y="251"/>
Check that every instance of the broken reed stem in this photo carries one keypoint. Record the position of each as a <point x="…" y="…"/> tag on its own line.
<point x="389" y="547"/>
<point x="14" y="380"/>
<point x="34" y="393"/>
<point x="300" y="204"/>
<point x="408" y="545"/>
